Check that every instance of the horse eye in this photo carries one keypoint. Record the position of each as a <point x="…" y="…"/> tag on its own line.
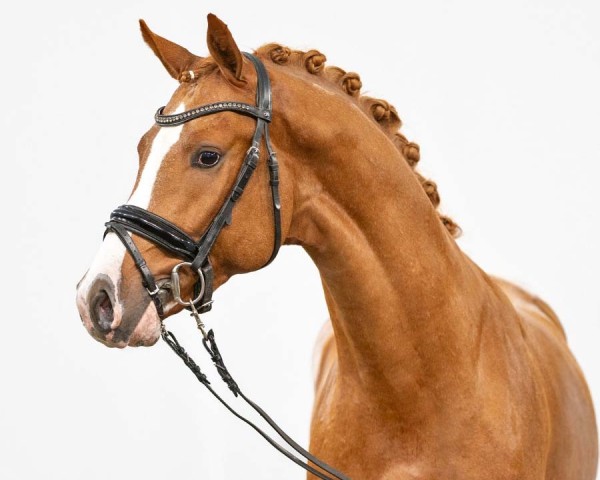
<point x="206" y="159"/>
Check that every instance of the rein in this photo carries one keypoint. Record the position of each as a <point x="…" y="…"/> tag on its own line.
<point x="128" y="219"/>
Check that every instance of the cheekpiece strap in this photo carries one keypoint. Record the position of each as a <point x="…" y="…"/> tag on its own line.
<point x="147" y="278"/>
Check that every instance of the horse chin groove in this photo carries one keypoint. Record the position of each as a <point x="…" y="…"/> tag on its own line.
<point x="145" y="342"/>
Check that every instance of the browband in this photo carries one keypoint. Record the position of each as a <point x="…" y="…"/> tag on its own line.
<point x="238" y="107"/>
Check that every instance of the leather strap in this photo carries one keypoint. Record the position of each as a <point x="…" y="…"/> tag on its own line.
<point x="210" y="344"/>
<point x="274" y="183"/>
<point x="147" y="277"/>
<point x="155" y="229"/>
<point x="170" y="237"/>
<point x="129" y="218"/>
<point x="183" y="117"/>
<point x="264" y="100"/>
<point x="224" y="216"/>
<point x="209" y="276"/>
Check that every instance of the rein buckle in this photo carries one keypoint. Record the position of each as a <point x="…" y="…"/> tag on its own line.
<point x="199" y="322"/>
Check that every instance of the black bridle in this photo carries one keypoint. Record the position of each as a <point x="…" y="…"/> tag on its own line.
<point x="128" y="219"/>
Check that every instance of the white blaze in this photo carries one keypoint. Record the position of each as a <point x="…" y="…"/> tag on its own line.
<point x="163" y="142"/>
<point x="110" y="257"/>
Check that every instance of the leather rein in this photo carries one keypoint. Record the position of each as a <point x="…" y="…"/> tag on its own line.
<point x="130" y="219"/>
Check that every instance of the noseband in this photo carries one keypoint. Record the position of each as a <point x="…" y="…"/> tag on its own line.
<point x="128" y="219"/>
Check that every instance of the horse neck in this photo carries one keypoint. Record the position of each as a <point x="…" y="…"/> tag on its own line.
<point x="394" y="279"/>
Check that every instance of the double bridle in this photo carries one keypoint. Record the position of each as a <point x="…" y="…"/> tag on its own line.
<point x="128" y="219"/>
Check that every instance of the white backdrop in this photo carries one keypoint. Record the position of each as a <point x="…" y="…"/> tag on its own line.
<point x="502" y="97"/>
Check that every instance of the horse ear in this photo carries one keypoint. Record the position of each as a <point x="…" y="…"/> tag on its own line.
<point x="175" y="58"/>
<point x="223" y="49"/>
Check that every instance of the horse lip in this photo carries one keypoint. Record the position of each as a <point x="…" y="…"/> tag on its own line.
<point x="107" y="340"/>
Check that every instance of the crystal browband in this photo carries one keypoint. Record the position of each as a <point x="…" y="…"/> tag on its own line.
<point x="181" y="118"/>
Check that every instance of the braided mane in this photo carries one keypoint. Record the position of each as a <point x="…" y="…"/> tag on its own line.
<point x="384" y="114"/>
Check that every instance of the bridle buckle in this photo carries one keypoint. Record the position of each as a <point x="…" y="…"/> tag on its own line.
<point x="153" y="292"/>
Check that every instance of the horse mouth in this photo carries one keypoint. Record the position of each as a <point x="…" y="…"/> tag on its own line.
<point x="115" y="325"/>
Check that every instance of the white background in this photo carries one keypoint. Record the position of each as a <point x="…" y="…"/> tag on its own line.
<point x="502" y="97"/>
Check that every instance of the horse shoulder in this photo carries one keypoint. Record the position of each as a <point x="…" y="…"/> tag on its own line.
<point x="569" y="403"/>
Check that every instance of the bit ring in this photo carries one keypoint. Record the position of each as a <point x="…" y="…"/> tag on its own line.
<point x="176" y="287"/>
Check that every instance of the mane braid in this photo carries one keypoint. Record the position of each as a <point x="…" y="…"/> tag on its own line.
<point x="382" y="113"/>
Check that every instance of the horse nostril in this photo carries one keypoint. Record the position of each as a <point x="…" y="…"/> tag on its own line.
<point x="102" y="311"/>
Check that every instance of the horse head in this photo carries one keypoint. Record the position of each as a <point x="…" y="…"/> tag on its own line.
<point x="336" y="150"/>
<point x="185" y="173"/>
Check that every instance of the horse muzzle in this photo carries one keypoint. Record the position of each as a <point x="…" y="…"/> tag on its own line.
<point x="113" y="323"/>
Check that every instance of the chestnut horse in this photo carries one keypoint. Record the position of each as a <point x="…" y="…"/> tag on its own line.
<point x="429" y="368"/>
